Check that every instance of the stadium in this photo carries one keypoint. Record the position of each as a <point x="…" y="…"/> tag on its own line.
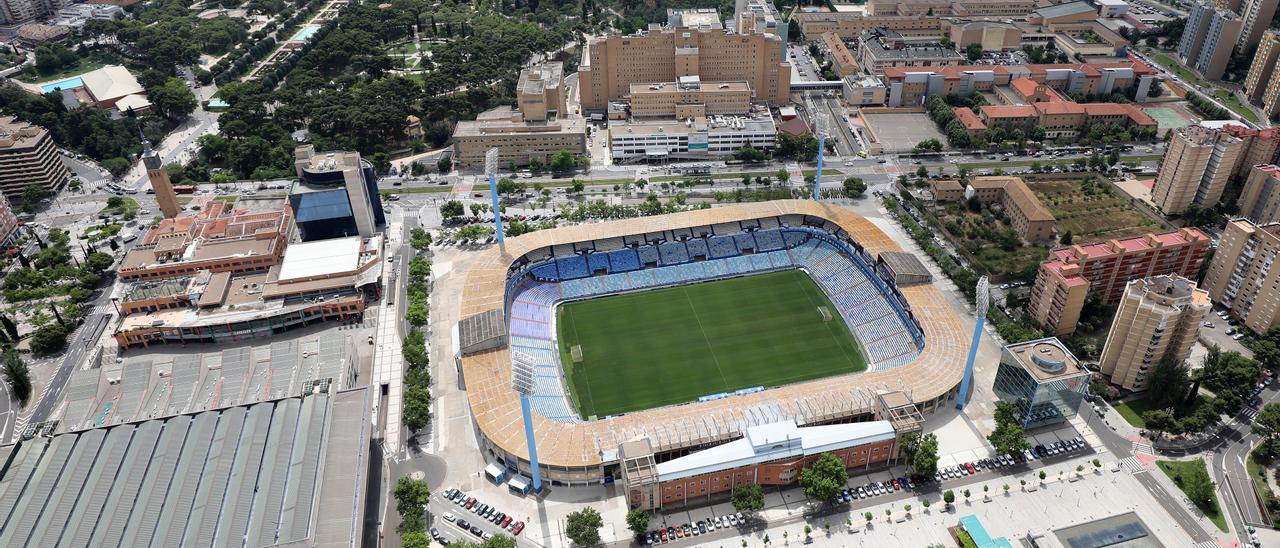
<point x="687" y="329"/>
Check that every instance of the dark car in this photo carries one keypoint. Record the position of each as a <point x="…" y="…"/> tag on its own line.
<point x="475" y="530"/>
<point x="463" y="524"/>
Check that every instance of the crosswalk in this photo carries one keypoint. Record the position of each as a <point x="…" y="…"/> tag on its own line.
<point x="1133" y="465"/>
<point x="1206" y="544"/>
<point x="1143" y="447"/>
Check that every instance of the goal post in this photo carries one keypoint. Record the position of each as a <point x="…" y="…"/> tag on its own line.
<point x="826" y="314"/>
<point x="575" y="352"/>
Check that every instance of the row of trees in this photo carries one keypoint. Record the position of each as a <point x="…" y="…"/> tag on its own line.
<point x="416" y="413"/>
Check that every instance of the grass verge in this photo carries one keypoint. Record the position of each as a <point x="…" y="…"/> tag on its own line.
<point x="1176" y="470"/>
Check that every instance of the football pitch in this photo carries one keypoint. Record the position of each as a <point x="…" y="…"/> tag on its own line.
<point x="668" y="346"/>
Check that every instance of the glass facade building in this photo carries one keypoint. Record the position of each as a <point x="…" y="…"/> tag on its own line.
<point x="1043" y="380"/>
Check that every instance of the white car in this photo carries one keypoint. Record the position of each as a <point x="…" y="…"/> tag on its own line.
<point x="448" y="517"/>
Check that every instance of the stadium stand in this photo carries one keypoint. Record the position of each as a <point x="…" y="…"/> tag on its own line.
<point x="869" y="306"/>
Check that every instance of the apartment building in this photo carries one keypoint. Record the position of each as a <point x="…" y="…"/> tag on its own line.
<point x="1210" y="34"/>
<point x="945" y="8"/>
<point x="1262" y="83"/>
<point x="8" y="222"/>
<point x="1103" y="269"/>
<point x="518" y="141"/>
<point x="1260" y="199"/>
<point x="689" y="98"/>
<point x="13" y="12"/>
<point x="1158" y="318"/>
<point x="28" y="156"/>
<point x="1057" y="118"/>
<point x="693" y="43"/>
<point x="1255" y="16"/>
<point x="911" y="85"/>
<point x="850" y="25"/>
<point x="1241" y="276"/>
<point x="1032" y="221"/>
<point x="1259" y="146"/>
<point x="1195" y="168"/>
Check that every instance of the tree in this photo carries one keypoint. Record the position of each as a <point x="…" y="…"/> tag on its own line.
<point x="452" y="208"/>
<point x="749" y="154"/>
<point x="50" y="338"/>
<point x="31" y="196"/>
<point x="414" y="539"/>
<point x="973" y="51"/>
<point x="921" y="452"/>
<point x="577" y="186"/>
<point x="824" y="478"/>
<point x="1168" y="382"/>
<point x="411" y="497"/>
<point x="583" y="526"/>
<point x="854" y="187"/>
<point x="1195" y="482"/>
<point x="563" y="161"/>
<point x="1066" y="238"/>
<point x="638" y="521"/>
<point x="17" y="375"/>
<point x="444" y="164"/>
<point x="747" y="497"/>
<point x="98" y="262"/>
<point x="172" y="100"/>
<point x="1266" y="425"/>
<point x="420" y="239"/>
<point x="948" y="497"/>
<point x="782" y="175"/>
<point x="416" y="409"/>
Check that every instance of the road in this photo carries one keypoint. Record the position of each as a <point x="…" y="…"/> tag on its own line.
<point x="79" y="344"/>
<point x="8" y="413"/>
<point x="1231" y="462"/>
<point x="1122" y="448"/>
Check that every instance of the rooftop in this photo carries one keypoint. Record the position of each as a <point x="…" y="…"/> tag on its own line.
<point x="968" y="118"/>
<point x="504" y="120"/>
<point x="1064" y="10"/>
<point x="1019" y="192"/>
<point x="16" y="134"/>
<point x="772" y="441"/>
<point x="699" y="17"/>
<point x="1045" y="359"/>
<point x="320" y="258"/>
<point x="111" y="82"/>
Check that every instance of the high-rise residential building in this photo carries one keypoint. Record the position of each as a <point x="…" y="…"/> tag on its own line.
<point x="1043" y="380"/>
<point x="13" y="12"/>
<point x="1158" y="319"/>
<point x="1243" y="277"/>
<point x="1262" y="83"/>
<point x="8" y="221"/>
<point x="166" y="198"/>
<point x="1256" y="18"/>
<point x="693" y="43"/>
<point x="1208" y="38"/>
<point x="1103" y="269"/>
<point x="1195" y="168"/>
<point x="1260" y="199"/>
<point x="1260" y="147"/>
<point x="28" y="156"/>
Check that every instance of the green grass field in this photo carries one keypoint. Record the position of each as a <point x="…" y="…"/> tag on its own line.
<point x="669" y="346"/>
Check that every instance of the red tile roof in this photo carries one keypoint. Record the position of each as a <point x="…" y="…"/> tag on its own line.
<point x="1008" y="111"/>
<point x="1059" y="107"/>
<point x="968" y="118"/>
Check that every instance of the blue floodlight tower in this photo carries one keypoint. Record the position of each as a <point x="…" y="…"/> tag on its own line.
<point x="491" y="171"/>
<point x="821" y="127"/>
<point x="522" y="383"/>
<point x="980" y="299"/>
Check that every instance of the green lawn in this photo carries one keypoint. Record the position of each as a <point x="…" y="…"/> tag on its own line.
<point x="670" y="346"/>
<point x="1132" y="411"/>
<point x="1235" y="105"/>
<point x="1178" y="69"/>
<point x="91" y="62"/>
<point x="1175" y="469"/>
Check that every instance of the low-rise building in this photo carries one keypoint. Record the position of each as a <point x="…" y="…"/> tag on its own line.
<point x="911" y="85"/>
<point x="946" y="190"/>
<point x="1032" y="221"/>
<point x="212" y="239"/>
<point x="1043" y="380"/>
<point x="1158" y="319"/>
<point x="1069" y="12"/>
<point x="864" y="91"/>
<point x="946" y="8"/>
<point x="540" y="92"/>
<point x="518" y="141"/>
<point x="711" y="136"/>
<point x="1057" y="118"/>
<point x="882" y="48"/>
<point x="1112" y="9"/>
<point x="851" y="25"/>
<point x="991" y="35"/>
<point x="1103" y="269"/>
<point x="842" y="60"/>
<point x="1260" y="199"/>
<point x="28" y="156"/>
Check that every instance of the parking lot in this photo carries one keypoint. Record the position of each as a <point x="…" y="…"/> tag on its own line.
<point x="1224" y="332"/>
<point x="901" y="132"/>
<point x="463" y="517"/>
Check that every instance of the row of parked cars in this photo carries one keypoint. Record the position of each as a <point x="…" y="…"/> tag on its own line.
<point x="482" y="511"/>
<point x="701" y="527"/>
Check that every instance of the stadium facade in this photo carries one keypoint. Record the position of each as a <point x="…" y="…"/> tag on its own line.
<point x="911" y="335"/>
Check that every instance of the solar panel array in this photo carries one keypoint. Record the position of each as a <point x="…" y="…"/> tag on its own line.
<point x="243" y="476"/>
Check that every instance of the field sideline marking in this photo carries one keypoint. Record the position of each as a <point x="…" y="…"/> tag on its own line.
<point x="808" y="295"/>
<point x="583" y="362"/>
<point x="694" y="309"/>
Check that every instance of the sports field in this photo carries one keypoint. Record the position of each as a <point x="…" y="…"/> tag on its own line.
<point x="668" y="346"/>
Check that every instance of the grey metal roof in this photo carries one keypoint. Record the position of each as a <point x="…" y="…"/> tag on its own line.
<point x="242" y="476"/>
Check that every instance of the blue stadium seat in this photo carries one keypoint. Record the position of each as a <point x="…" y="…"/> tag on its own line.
<point x="623" y="260"/>
<point x="642" y="279"/>
<point x="697" y="247"/>
<point x="716" y="268"/>
<point x="598" y="261"/>
<point x="572" y="267"/>
<point x="793" y="238"/>
<point x="745" y="241"/>
<point x="546" y="272"/>
<point x="721" y="246"/>
<point x="768" y="240"/>
<point x="648" y="254"/>
<point x="673" y="253"/>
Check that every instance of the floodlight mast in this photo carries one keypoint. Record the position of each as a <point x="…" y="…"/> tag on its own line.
<point x="981" y="300"/>
<point x="491" y="171"/>
<point x="522" y="383"/>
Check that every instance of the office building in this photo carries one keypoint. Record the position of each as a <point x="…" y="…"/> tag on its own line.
<point x="1260" y="199"/>
<point x="1262" y="83"/>
<point x="518" y="141"/>
<point x="1158" y="318"/>
<point x="864" y="91"/>
<point x="1032" y="221"/>
<point x="1255" y="15"/>
<point x="851" y="25"/>
<point x="843" y="63"/>
<point x="28" y="156"/>
<point x="1210" y="34"/>
<point x="768" y="454"/>
<point x="1111" y="9"/>
<point x="1103" y="270"/>
<point x="336" y="195"/>
<point x="1242" y="276"/>
<point x="166" y="198"/>
<point x="710" y="136"/>
<point x="882" y="48"/>
<point x="1043" y="380"/>
<point x="693" y="43"/>
<point x="689" y="98"/>
<point x="1195" y="168"/>
<point x="991" y="35"/>
<point x="540" y="92"/>
<point x="214" y="239"/>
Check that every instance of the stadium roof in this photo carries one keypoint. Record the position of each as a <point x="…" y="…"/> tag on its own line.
<point x="774" y="441"/>
<point x="250" y="474"/>
<point x="320" y="258"/>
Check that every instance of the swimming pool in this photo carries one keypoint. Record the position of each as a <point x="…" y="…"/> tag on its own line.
<point x="65" y="84"/>
<point x="306" y="33"/>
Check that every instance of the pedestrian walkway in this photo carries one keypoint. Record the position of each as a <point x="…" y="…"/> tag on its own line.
<point x="388" y="361"/>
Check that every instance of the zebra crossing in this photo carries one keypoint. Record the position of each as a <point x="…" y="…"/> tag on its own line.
<point x="1133" y="465"/>
<point x="1206" y="544"/>
<point x="1143" y="447"/>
